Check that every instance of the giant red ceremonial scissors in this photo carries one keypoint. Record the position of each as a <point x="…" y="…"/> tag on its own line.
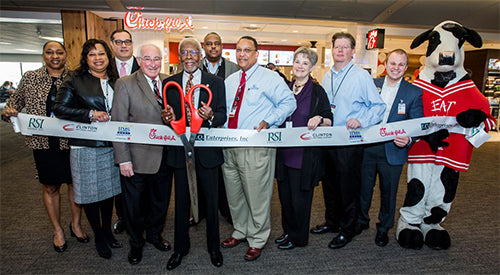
<point x="179" y="127"/>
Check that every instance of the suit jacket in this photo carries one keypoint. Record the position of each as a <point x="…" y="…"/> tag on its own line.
<point x="77" y="95"/>
<point x="411" y="96"/>
<point x="135" y="66"/>
<point x="134" y="101"/>
<point x="208" y="157"/>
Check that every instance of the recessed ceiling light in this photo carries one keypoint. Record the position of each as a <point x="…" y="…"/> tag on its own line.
<point x="204" y="27"/>
<point x="295" y="31"/>
<point x="253" y="25"/>
<point x="5" y="43"/>
<point x="284" y="40"/>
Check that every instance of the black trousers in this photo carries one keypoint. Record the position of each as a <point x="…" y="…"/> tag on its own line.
<point x="146" y="198"/>
<point x="342" y="185"/>
<point x="208" y="189"/>
<point x="375" y="162"/>
<point x="295" y="206"/>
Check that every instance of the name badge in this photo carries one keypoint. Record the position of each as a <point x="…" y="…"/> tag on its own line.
<point x="233" y="111"/>
<point x="401" y="108"/>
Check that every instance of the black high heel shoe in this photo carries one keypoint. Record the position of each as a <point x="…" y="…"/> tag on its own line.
<point x="85" y="239"/>
<point x="60" y="249"/>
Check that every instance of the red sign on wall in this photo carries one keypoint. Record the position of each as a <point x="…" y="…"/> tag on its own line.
<point x="375" y="39"/>
<point x="135" y="20"/>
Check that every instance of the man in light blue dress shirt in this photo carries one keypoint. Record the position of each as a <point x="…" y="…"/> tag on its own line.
<point x="256" y="98"/>
<point x="355" y="103"/>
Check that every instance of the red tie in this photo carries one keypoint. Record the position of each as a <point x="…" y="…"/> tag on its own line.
<point x="233" y="120"/>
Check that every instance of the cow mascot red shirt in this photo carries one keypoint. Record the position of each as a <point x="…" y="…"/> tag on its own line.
<point x="434" y="161"/>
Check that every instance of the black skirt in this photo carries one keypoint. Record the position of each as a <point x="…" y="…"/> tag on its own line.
<point x="52" y="166"/>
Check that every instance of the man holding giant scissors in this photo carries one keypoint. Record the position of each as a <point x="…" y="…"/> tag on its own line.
<point x="207" y="159"/>
<point x="257" y="98"/>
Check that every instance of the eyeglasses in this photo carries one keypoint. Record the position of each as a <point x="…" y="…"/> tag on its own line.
<point x="247" y="50"/>
<point x="192" y="52"/>
<point x="127" y="42"/>
<point x="343" y="47"/>
<point x="210" y="43"/>
<point x="149" y="59"/>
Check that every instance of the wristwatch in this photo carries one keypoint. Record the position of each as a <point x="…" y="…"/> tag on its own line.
<point x="321" y="120"/>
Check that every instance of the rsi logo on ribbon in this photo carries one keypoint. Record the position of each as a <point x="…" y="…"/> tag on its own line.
<point x="36" y="123"/>
<point x="274" y="137"/>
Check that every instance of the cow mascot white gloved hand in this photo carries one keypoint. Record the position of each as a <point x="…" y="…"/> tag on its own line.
<point x="434" y="161"/>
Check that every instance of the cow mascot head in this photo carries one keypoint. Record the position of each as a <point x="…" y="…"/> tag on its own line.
<point x="434" y="161"/>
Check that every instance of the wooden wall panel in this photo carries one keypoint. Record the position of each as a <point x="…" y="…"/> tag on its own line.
<point x="110" y="25"/>
<point x="74" y="34"/>
<point x="95" y="25"/>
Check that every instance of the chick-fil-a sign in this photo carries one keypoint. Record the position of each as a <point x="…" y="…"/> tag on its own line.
<point x="134" y="20"/>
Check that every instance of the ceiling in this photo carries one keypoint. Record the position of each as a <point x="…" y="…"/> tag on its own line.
<point x="281" y="22"/>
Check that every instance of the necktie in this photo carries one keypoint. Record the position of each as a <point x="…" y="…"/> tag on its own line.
<point x="189" y="84"/>
<point x="123" y="70"/>
<point x="233" y="120"/>
<point x="157" y="93"/>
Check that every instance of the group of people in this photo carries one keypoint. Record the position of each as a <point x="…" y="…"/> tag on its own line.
<point x="111" y="84"/>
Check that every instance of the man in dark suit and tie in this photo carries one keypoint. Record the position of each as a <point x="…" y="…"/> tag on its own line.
<point x="122" y="46"/>
<point x="404" y="101"/>
<point x="146" y="179"/>
<point x="207" y="159"/>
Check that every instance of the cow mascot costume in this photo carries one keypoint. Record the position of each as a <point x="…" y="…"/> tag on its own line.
<point x="434" y="161"/>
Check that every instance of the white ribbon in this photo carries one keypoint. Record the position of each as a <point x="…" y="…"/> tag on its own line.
<point x="155" y="134"/>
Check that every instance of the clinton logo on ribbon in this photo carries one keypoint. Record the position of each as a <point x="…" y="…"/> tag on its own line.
<point x="69" y="127"/>
<point x="306" y="136"/>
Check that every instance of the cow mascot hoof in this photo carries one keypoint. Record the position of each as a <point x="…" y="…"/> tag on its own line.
<point x="435" y="160"/>
<point x="436" y="237"/>
<point x="409" y="236"/>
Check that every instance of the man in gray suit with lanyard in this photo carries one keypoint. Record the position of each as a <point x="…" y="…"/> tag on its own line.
<point x="404" y="101"/>
<point x="146" y="179"/>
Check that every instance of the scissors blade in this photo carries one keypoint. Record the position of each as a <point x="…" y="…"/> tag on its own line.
<point x="191" y="175"/>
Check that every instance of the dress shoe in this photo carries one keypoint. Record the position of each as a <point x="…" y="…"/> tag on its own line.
<point x="119" y="226"/>
<point x="135" y="255"/>
<point x="359" y="227"/>
<point x="159" y="243"/>
<point x="216" y="258"/>
<point x="252" y="253"/>
<point x="62" y="248"/>
<point x="84" y="239"/>
<point x="114" y="243"/>
<point x="192" y="222"/>
<point x="175" y="260"/>
<point x="282" y="238"/>
<point x="381" y="239"/>
<point x="105" y="254"/>
<point x="323" y="228"/>
<point x="286" y="245"/>
<point x="339" y="241"/>
<point x="231" y="242"/>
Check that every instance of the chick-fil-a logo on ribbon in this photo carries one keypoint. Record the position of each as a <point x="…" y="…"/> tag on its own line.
<point x="135" y="20"/>
<point x="384" y="132"/>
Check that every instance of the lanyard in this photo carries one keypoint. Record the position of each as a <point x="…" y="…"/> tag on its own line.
<point x="342" y="81"/>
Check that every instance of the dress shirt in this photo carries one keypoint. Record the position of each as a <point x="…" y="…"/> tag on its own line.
<point x="357" y="97"/>
<point x="266" y="97"/>
<point x="128" y="64"/>
<point x="196" y="80"/>
<point x="211" y="67"/>
<point x="388" y="95"/>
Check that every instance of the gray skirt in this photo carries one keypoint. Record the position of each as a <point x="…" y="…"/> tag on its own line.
<point x="95" y="176"/>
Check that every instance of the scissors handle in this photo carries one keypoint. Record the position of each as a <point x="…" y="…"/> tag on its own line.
<point x="196" y="120"/>
<point x="179" y="125"/>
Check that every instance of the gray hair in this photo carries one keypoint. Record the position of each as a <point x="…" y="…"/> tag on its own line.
<point x="139" y="51"/>
<point x="311" y="55"/>
<point x="192" y="40"/>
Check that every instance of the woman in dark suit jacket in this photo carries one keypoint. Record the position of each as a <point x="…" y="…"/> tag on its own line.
<point x="86" y="96"/>
<point x="300" y="169"/>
